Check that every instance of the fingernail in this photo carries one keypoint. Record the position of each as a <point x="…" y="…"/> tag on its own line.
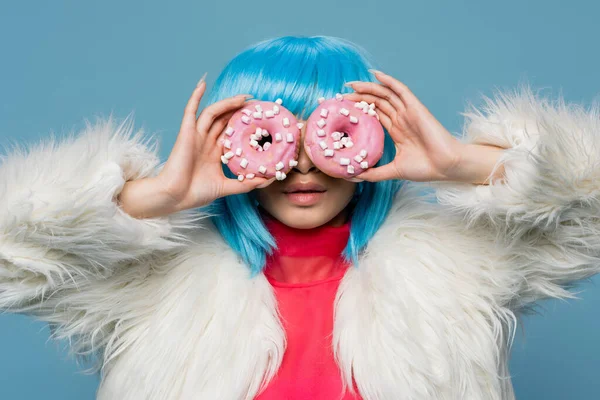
<point x="374" y="71"/>
<point x="356" y="180"/>
<point x="349" y="84"/>
<point x="265" y="184"/>
<point x="248" y="96"/>
<point x="201" y="79"/>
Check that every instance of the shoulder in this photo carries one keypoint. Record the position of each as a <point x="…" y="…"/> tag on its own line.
<point x="416" y="213"/>
<point x="422" y="240"/>
<point x="416" y="216"/>
<point x="205" y="247"/>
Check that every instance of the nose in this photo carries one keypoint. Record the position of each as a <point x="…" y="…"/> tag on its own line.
<point x="305" y="165"/>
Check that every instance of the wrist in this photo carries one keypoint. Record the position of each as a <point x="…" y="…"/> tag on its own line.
<point x="476" y="163"/>
<point x="146" y="198"/>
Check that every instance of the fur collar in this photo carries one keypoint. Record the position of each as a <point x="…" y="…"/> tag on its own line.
<point x="411" y="322"/>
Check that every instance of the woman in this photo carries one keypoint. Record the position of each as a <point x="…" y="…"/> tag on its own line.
<point x="372" y="292"/>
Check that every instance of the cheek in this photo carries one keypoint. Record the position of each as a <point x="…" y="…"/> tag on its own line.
<point x="266" y="197"/>
<point x="340" y="194"/>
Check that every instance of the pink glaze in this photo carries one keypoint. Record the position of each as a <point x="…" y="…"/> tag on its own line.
<point x="367" y="135"/>
<point x="282" y="151"/>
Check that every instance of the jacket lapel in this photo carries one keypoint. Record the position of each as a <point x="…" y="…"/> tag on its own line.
<point x="415" y="319"/>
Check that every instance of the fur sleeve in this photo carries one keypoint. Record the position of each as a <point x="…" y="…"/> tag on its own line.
<point x="60" y="224"/>
<point x="546" y="209"/>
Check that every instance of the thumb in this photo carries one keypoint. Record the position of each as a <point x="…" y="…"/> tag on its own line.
<point x="235" y="186"/>
<point x="385" y="172"/>
<point x="265" y="183"/>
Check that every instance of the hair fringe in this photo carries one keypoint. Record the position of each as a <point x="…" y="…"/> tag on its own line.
<point x="298" y="70"/>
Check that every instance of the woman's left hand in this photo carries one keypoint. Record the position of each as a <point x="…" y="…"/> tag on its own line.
<point x="425" y="150"/>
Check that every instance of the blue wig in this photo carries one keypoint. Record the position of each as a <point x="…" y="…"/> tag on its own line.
<point x="298" y="70"/>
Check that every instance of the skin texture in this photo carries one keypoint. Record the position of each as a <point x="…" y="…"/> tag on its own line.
<point x="192" y="176"/>
<point x="425" y="150"/>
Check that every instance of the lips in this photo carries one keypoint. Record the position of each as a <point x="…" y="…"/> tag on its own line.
<point x="302" y="187"/>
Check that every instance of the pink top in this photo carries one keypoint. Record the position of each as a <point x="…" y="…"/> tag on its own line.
<point x="305" y="272"/>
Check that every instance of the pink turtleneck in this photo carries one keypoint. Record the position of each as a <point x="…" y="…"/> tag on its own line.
<point x="305" y="272"/>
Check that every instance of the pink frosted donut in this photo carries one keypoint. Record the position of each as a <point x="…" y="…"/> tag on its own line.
<point x="262" y="139"/>
<point x="343" y="137"/>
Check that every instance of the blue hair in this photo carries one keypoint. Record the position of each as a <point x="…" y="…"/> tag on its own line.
<point x="297" y="70"/>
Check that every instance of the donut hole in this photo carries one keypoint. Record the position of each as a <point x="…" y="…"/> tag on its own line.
<point x="341" y="128"/>
<point x="264" y="140"/>
<point x="344" y="134"/>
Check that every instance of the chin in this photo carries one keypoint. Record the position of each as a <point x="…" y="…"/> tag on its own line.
<point x="330" y="210"/>
<point x="304" y="217"/>
<point x="312" y="217"/>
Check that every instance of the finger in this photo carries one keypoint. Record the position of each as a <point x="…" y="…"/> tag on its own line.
<point x="191" y="108"/>
<point x="380" y="91"/>
<point x="249" y="100"/>
<point x="219" y="125"/>
<point x="215" y="110"/>
<point x="234" y="186"/>
<point x="405" y="94"/>
<point x="385" y="172"/>
<point x="355" y="180"/>
<point x="267" y="183"/>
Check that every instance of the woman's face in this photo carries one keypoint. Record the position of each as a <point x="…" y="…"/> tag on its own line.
<point x="307" y="198"/>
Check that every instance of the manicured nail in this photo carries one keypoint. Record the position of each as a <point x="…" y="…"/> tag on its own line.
<point x="349" y="84"/>
<point x="248" y="96"/>
<point x="265" y="184"/>
<point x="355" y="180"/>
<point x="374" y="71"/>
<point x="201" y="80"/>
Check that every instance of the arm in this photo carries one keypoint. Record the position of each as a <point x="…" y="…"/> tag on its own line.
<point x="546" y="209"/>
<point x="76" y="211"/>
<point x="538" y="217"/>
<point x="69" y="254"/>
<point x="86" y="223"/>
<point x="61" y="223"/>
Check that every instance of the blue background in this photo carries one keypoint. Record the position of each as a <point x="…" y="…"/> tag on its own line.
<point x="64" y="61"/>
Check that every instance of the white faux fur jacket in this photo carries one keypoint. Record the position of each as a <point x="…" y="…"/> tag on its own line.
<point x="429" y="312"/>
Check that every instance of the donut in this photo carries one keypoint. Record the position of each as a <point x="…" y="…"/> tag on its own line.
<point x="343" y="137"/>
<point x="261" y="139"/>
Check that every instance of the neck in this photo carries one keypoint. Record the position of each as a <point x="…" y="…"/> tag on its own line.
<point x="307" y="255"/>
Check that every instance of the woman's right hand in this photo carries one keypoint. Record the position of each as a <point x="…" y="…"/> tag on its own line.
<point x="192" y="176"/>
